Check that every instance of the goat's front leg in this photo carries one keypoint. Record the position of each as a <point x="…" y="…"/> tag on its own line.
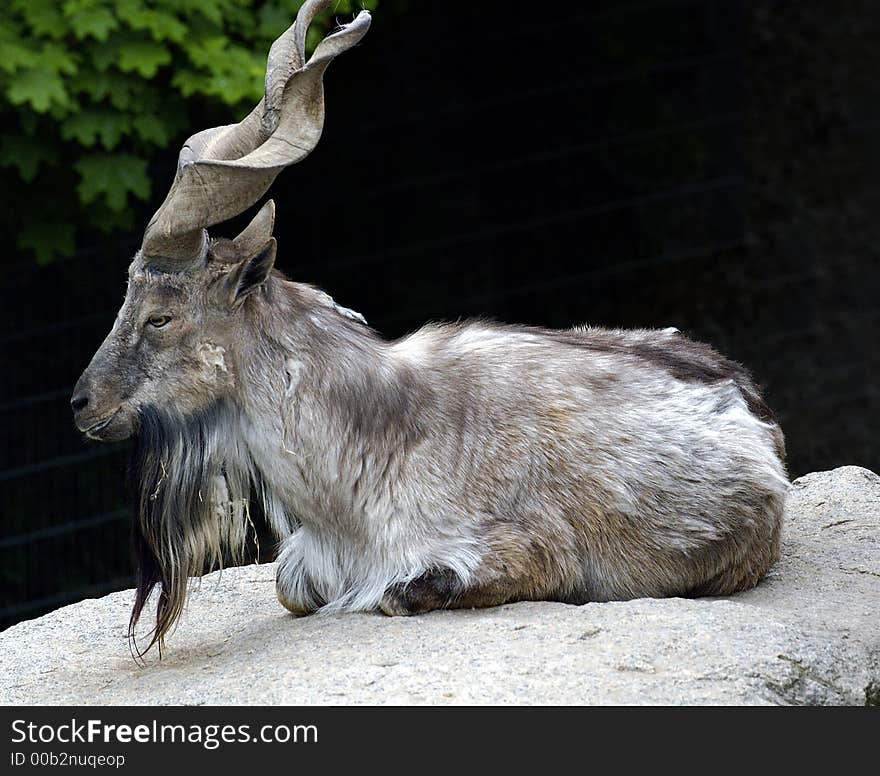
<point x="442" y="589"/>
<point x="517" y="566"/>
<point x="293" y="587"/>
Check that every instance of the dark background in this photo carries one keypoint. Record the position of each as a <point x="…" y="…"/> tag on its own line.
<point x="709" y="165"/>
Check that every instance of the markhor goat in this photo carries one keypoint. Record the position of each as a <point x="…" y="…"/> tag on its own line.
<point x="464" y="465"/>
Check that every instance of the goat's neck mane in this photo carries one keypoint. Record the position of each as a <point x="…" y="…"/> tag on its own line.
<point x="193" y="475"/>
<point x="192" y="478"/>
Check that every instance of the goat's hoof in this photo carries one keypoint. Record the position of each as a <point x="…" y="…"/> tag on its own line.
<point x="393" y="606"/>
<point x="293" y="607"/>
<point x="435" y="589"/>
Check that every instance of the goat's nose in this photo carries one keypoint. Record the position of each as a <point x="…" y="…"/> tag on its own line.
<point x="79" y="401"/>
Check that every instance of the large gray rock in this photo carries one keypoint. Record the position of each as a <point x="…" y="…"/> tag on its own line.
<point x="810" y="633"/>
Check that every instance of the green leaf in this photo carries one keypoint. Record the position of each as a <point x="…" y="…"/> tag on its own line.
<point x="38" y="88"/>
<point x="125" y="8"/>
<point x="107" y="221"/>
<point x="143" y="57"/>
<point x="208" y="51"/>
<point x="162" y="26"/>
<point x="103" y="85"/>
<point x="151" y="128"/>
<point x="26" y="153"/>
<point x="189" y="82"/>
<point x="43" y="17"/>
<point x="104" y="56"/>
<point x="17" y="52"/>
<point x="90" y="20"/>
<point x="92" y="88"/>
<point x="114" y="176"/>
<point x="313" y="38"/>
<point x="57" y="59"/>
<point x="47" y="239"/>
<point x="273" y="21"/>
<point x="234" y="72"/>
<point x="90" y="125"/>
<point x="210" y="9"/>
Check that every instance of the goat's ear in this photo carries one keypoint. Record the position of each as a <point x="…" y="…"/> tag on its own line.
<point x="256" y="248"/>
<point x="251" y="273"/>
<point x="256" y="235"/>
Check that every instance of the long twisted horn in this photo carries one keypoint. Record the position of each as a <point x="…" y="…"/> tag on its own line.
<point x="224" y="170"/>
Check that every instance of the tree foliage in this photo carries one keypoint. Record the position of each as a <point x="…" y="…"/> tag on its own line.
<point x="93" y="92"/>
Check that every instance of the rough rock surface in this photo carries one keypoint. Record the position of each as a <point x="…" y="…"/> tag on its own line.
<point x="810" y="633"/>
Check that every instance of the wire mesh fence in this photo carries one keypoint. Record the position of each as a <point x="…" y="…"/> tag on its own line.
<point x="602" y="168"/>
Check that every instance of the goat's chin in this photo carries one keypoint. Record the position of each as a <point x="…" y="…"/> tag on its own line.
<point x="120" y="426"/>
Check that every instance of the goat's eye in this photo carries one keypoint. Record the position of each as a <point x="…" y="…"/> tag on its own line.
<point x="158" y="321"/>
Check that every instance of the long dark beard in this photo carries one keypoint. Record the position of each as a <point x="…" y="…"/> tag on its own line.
<point x="192" y="481"/>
